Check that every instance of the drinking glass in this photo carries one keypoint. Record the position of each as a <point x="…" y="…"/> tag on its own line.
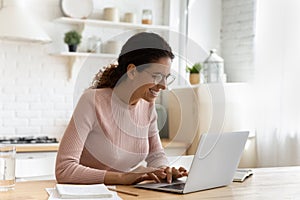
<point x="7" y="167"/>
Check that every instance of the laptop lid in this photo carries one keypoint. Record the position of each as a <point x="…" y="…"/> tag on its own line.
<point x="213" y="165"/>
<point x="216" y="160"/>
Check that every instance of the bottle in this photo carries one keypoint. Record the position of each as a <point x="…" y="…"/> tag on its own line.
<point x="213" y="68"/>
<point x="93" y="44"/>
<point x="147" y="16"/>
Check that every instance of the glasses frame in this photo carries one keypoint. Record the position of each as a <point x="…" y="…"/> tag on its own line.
<point x="158" y="77"/>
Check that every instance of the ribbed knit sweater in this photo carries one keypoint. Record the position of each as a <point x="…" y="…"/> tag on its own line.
<point x="106" y="134"/>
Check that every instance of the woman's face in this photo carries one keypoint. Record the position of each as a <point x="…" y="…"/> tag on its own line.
<point x="149" y="86"/>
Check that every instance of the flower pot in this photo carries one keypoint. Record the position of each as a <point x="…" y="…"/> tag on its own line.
<point x="194" y="78"/>
<point x="72" y="48"/>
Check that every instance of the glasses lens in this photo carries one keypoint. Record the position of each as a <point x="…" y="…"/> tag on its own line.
<point x="157" y="78"/>
<point x="170" y="79"/>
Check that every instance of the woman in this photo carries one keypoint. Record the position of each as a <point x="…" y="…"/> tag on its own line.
<point x="114" y="125"/>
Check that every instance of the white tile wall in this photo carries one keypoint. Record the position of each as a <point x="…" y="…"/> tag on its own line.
<point x="36" y="97"/>
<point x="237" y="39"/>
<point x="29" y="77"/>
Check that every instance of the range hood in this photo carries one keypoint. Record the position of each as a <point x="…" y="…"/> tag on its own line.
<point x="16" y="24"/>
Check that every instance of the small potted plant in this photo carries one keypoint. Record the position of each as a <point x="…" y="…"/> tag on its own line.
<point x="72" y="39"/>
<point x="194" y="73"/>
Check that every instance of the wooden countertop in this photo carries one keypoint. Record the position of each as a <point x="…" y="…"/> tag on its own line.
<point x="54" y="147"/>
<point x="266" y="183"/>
<point x="167" y="143"/>
<point x="20" y="148"/>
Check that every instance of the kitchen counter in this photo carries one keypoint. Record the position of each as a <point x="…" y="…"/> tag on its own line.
<point x="173" y="144"/>
<point x="53" y="147"/>
<point x="21" y="148"/>
<point x="174" y="148"/>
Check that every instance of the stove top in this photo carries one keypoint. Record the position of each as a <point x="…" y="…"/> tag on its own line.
<point x="28" y="140"/>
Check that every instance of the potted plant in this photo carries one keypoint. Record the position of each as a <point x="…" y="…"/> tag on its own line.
<point x="194" y="73"/>
<point x="72" y="39"/>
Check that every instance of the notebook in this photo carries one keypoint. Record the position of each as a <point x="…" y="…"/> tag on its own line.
<point x="72" y="191"/>
<point x="241" y="174"/>
<point x="213" y="165"/>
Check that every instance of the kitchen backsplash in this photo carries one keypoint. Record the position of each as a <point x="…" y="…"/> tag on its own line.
<point x="36" y="96"/>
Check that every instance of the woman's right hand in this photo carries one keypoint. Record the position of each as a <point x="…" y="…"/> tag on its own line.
<point x="133" y="177"/>
<point x="140" y="174"/>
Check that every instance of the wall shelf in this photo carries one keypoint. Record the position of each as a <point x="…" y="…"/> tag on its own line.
<point x="85" y="54"/>
<point x="76" y="60"/>
<point x="110" y="24"/>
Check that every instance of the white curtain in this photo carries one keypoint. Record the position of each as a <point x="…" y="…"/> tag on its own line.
<point x="277" y="72"/>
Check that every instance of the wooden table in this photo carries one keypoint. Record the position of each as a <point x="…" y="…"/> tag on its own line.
<point x="266" y="183"/>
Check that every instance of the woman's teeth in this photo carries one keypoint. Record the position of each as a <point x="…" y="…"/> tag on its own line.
<point x="154" y="93"/>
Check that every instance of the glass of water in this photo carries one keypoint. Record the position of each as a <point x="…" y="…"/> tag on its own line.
<point x="7" y="167"/>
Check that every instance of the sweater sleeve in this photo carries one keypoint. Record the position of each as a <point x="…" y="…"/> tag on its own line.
<point x="68" y="168"/>
<point x="156" y="156"/>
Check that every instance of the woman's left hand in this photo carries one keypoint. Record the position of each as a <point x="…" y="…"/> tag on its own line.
<point x="171" y="173"/>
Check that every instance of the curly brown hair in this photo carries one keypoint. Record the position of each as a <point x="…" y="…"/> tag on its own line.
<point x="140" y="49"/>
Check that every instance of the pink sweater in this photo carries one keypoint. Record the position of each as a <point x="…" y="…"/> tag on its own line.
<point x="105" y="134"/>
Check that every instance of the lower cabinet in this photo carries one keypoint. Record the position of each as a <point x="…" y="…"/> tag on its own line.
<point x="35" y="166"/>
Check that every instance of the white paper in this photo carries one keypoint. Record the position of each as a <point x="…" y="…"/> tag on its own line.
<point x="83" y="191"/>
<point x="53" y="195"/>
<point x="241" y="174"/>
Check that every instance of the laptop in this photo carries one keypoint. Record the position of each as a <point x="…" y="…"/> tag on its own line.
<point x="213" y="165"/>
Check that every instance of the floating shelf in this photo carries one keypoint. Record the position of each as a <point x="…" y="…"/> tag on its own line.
<point x="84" y="54"/>
<point x="76" y="59"/>
<point x="110" y="24"/>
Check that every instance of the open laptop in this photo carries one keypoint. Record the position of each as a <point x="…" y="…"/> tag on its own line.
<point x="213" y="165"/>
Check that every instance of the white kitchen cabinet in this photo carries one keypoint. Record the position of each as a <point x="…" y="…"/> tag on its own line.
<point x="35" y="165"/>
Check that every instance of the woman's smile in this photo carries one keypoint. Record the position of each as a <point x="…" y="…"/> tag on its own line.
<point x="153" y="92"/>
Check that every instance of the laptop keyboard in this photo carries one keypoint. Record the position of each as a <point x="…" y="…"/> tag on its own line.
<point x="179" y="186"/>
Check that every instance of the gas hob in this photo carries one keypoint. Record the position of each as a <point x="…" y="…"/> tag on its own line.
<point x="28" y="140"/>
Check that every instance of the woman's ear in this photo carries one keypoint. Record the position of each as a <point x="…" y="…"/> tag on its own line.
<point x="131" y="71"/>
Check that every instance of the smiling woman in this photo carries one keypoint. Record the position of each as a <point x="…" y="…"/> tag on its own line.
<point x="140" y="50"/>
<point x="114" y="125"/>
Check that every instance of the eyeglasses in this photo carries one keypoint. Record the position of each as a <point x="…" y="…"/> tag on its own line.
<point x="158" y="77"/>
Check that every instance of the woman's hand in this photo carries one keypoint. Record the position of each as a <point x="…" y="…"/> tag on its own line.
<point x="158" y="175"/>
<point x="171" y="173"/>
<point x="131" y="178"/>
<point x="140" y="174"/>
<point x="144" y="173"/>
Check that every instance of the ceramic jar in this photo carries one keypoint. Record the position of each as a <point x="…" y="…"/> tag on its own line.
<point x="130" y="17"/>
<point x="111" y="14"/>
